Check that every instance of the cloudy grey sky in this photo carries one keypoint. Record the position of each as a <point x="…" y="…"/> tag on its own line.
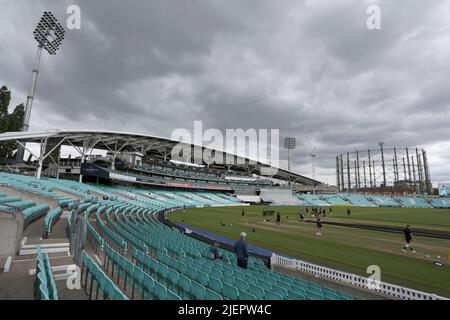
<point x="152" y="66"/>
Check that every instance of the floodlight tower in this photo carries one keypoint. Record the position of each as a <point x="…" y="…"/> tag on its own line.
<point x="49" y="35"/>
<point x="381" y="144"/>
<point x="313" y="155"/>
<point x="289" y="144"/>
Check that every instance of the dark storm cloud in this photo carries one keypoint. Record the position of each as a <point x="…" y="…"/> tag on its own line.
<point x="310" y="68"/>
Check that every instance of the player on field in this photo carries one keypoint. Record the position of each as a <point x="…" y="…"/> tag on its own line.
<point x="408" y="238"/>
<point x="278" y="223"/>
<point x="319" y="226"/>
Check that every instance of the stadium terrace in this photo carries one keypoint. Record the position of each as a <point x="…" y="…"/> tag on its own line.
<point x="142" y="242"/>
<point x="236" y="216"/>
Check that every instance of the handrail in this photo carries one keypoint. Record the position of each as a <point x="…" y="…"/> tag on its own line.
<point x="388" y="289"/>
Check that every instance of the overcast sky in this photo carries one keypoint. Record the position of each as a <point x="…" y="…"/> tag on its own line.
<point x="151" y="66"/>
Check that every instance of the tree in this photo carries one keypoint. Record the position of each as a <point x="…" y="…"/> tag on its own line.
<point x="9" y="121"/>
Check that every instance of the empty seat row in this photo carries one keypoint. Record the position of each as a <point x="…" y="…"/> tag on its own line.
<point x="44" y="283"/>
<point x="93" y="277"/>
<point x="50" y="219"/>
<point x="35" y="212"/>
<point x="135" y="277"/>
<point x="110" y="236"/>
<point x="5" y="200"/>
<point x="175" y="280"/>
<point x="20" y="205"/>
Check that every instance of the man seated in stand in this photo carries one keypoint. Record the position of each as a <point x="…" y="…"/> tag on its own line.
<point x="215" y="251"/>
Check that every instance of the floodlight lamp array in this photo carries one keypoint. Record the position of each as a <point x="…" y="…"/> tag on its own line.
<point x="289" y="143"/>
<point x="49" y="33"/>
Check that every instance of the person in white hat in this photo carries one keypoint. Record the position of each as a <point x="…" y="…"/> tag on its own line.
<point x="241" y="251"/>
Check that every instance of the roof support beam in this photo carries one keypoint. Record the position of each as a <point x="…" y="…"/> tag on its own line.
<point x="55" y="162"/>
<point x="93" y="145"/>
<point x="43" y="146"/>
<point x="54" y="148"/>
<point x="25" y="147"/>
<point x="124" y="145"/>
<point x="85" y="144"/>
<point x="75" y="147"/>
<point x="153" y="146"/>
<point x="107" y="147"/>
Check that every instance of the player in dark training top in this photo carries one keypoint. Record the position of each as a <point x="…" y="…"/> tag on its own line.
<point x="408" y="238"/>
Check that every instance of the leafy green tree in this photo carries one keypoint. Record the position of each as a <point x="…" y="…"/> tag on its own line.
<point x="5" y="98"/>
<point x="9" y="121"/>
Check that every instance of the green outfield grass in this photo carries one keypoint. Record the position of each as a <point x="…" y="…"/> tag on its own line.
<point x="344" y="248"/>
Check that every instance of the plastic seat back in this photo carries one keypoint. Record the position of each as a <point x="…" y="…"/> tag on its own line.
<point x="273" y="296"/>
<point x="198" y="291"/>
<point x="149" y="287"/>
<point x="230" y="291"/>
<point x="244" y="295"/>
<point x="212" y="295"/>
<point x="202" y="278"/>
<point x="160" y="291"/>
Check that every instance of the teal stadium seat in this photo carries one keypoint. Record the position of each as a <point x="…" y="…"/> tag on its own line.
<point x="149" y="287"/>
<point x="273" y="296"/>
<point x="160" y="291"/>
<point x="212" y="295"/>
<point x="185" y="285"/>
<point x="198" y="291"/>
<point x="244" y="295"/>
<point x="230" y="292"/>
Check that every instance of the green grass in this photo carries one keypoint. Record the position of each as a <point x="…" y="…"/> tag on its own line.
<point x="344" y="248"/>
<point x="420" y="218"/>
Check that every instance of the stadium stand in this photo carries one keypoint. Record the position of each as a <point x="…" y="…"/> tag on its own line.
<point x="226" y="240"/>
<point x="45" y="286"/>
<point x="193" y="262"/>
<point x="50" y="219"/>
<point x="21" y="205"/>
<point x="412" y="202"/>
<point x="169" y="170"/>
<point x="46" y="189"/>
<point x="146" y="259"/>
<point x="313" y="200"/>
<point x="440" y="203"/>
<point x="195" y="182"/>
<point x="35" y="212"/>
<point x="334" y="199"/>
<point x="92" y="276"/>
<point x="7" y="200"/>
<point x="357" y="200"/>
<point x="383" y="201"/>
<point x="279" y="197"/>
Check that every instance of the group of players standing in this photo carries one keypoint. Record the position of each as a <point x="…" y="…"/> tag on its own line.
<point x="317" y="213"/>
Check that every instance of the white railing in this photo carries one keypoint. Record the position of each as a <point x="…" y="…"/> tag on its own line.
<point x="353" y="279"/>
